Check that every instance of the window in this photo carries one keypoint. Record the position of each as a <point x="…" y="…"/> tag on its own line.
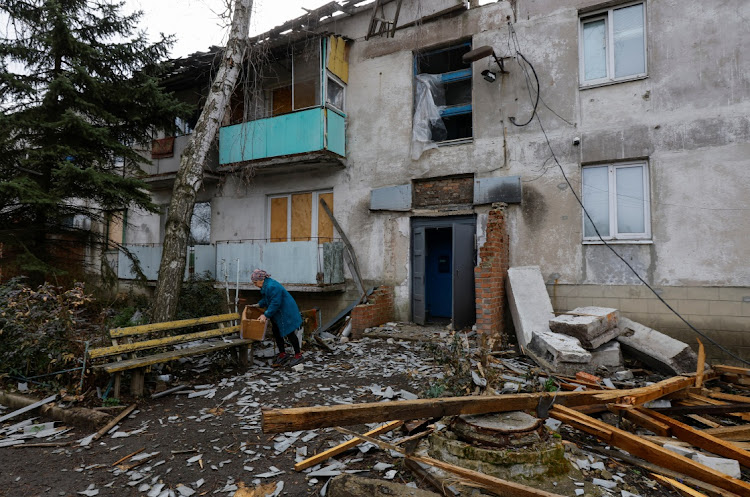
<point x="617" y="199"/>
<point x="613" y="44"/>
<point x="452" y="93"/>
<point x="298" y="217"/>
<point x="200" y="224"/>
<point x="335" y="93"/>
<point x="117" y="222"/>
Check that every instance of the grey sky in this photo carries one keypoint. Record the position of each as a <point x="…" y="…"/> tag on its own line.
<point x="197" y="24"/>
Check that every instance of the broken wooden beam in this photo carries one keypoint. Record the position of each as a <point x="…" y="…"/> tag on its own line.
<point x="680" y="488"/>
<point x="327" y="454"/>
<point x="310" y="418"/>
<point x="648" y="450"/>
<point x="647" y="422"/>
<point x="99" y="434"/>
<point x="704" y="409"/>
<point x="701" y="439"/>
<point x="734" y="433"/>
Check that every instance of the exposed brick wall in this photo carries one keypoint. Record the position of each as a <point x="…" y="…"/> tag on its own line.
<point x="489" y="277"/>
<point x="443" y="191"/>
<point x="378" y="310"/>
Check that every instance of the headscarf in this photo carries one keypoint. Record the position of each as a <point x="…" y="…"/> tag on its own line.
<point x="259" y="275"/>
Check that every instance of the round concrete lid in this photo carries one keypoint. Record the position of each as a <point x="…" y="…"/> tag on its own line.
<point x="502" y="422"/>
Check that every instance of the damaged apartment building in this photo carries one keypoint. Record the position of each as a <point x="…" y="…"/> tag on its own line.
<point x="450" y="140"/>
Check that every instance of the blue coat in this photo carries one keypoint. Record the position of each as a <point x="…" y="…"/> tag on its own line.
<point x="280" y="306"/>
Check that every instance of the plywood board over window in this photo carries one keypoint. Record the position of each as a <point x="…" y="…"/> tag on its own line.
<point x="279" y="217"/>
<point x="325" y="225"/>
<point x="302" y="217"/>
<point x="298" y="217"/>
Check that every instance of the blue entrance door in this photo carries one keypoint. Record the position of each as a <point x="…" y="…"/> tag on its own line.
<point x="438" y="272"/>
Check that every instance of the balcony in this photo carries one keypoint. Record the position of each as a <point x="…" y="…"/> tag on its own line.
<point x="300" y="266"/>
<point x="315" y="137"/>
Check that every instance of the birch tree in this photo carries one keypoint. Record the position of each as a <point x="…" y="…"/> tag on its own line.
<point x="190" y="175"/>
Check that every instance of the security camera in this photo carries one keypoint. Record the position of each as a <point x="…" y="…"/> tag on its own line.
<point x="576" y="141"/>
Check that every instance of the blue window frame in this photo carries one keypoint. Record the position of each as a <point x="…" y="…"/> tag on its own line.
<point x="456" y="101"/>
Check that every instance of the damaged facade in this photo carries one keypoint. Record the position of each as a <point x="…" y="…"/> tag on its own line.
<point x="421" y="159"/>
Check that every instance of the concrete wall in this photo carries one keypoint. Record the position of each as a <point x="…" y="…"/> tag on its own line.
<point x="688" y="118"/>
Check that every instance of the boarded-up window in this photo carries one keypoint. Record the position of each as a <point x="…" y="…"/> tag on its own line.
<point x="298" y="217"/>
<point x="116" y="223"/>
<point x="281" y="100"/>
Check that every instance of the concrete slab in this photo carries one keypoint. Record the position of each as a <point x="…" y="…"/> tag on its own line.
<point x="529" y="302"/>
<point x="727" y="466"/>
<point x="586" y="324"/>
<point x="602" y="339"/>
<point x="656" y="350"/>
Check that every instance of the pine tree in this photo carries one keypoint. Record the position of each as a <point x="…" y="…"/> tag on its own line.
<point x="79" y="88"/>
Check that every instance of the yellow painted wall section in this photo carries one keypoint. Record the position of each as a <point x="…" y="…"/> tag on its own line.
<point x="338" y="57"/>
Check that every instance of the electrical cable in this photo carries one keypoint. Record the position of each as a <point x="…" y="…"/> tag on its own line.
<point x="598" y="234"/>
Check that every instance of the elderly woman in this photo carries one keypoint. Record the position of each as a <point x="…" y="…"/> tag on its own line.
<point x="283" y="312"/>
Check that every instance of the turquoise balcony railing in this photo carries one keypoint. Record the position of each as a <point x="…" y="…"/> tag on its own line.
<point x="311" y="130"/>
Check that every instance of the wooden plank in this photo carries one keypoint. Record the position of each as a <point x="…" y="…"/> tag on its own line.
<point x="681" y="488"/>
<point x="161" y="342"/>
<point x="701" y="364"/>
<point x="711" y="490"/>
<point x="325" y="455"/>
<point x="140" y="362"/>
<point x="708" y="400"/>
<point x="740" y="399"/>
<point x="125" y="458"/>
<point x="656" y="391"/>
<point x="647" y="422"/>
<point x="704" y="421"/>
<point x="732" y="370"/>
<point x="705" y="409"/>
<point x="279" y="219"/>
<point x="99" y="434"/>
<point x="325" y="225"/>
<point x="652" y="452"/>
<point x="739" y="433"/>
<point x="171" y="325"/>
<point x="301" y="217"/>
<point x="701" y="439"/>
<point x="497" y="485"/>
<point x="310" y="418"/>
<point x="28" y="408"/>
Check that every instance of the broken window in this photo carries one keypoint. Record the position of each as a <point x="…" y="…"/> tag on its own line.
<point x="617" y="199"/>
<point x="613" y="44"/>
<point x="200" y="224"/>
<point x="298" y="217"/>
<point x="442" y="103"/>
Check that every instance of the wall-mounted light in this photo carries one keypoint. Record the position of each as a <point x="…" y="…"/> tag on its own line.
<point x="479" y="54"/>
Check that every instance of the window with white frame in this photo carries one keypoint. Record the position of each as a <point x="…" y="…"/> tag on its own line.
<point x="299" y="217"/>
<point x="616" y="196"/>
<point x="613" y="44"/>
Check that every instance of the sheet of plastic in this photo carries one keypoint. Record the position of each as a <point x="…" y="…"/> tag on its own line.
<point x="428" y="127"/>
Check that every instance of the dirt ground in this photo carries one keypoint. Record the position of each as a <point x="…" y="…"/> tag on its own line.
<point x="207" y="439"/>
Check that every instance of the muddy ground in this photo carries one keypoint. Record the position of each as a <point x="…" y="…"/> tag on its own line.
<point x="209" y="442"/>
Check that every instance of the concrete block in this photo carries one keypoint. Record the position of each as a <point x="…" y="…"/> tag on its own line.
<point x="678" y="449"/>
<point x="558" y="348"/>
<point x="727" y="466"/>
<point x="657" y="350"/>
<point x="529" y="302"/>
<point x="607" y="356"/>
<point x="593" y="326"/>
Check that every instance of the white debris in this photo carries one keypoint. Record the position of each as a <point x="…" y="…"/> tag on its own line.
<point x="381" y="466"/>
<point x="478" y="380"/>
<point x="185" y="491"/>
<point x="604" y="483"/>
<point x="91" y="491"/>
<point x="389" y="475"/>
<point x="272" y="471"/>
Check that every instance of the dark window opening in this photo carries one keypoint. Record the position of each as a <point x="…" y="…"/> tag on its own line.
<point x="458" y="126"/>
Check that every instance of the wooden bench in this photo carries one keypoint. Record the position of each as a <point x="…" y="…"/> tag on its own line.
<point x="151" y="344"/>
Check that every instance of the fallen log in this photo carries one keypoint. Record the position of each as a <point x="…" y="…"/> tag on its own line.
<point x="310" y="418"/>
<point x="77" y="416"/>
<point x="648" y="450"/>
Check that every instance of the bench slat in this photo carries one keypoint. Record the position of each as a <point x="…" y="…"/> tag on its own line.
<point x="171" y="325"/>
<point x="160" y="342"/>
<point x="172" y="355"/>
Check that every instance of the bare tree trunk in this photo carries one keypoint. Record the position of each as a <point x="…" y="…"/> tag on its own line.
<point x="190" y="175"/>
